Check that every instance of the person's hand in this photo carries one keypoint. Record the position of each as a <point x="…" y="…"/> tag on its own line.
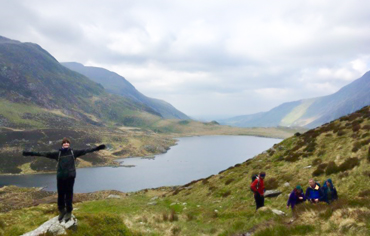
<point x="24" y="153"/>
<point x="100" y="147"/>
<point x="316" y="200"/>
<point x="300" y="198"/>
<point x="287" y="207"/>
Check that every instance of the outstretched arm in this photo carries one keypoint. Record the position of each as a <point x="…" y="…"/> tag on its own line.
<point x="51" y="155"/>
<point x="79" y="153"/>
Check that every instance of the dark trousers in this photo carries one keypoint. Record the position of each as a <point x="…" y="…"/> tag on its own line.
<point x="65" y="193"/>
<point x="260" y="200"/>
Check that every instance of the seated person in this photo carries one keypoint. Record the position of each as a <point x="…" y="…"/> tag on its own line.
<point x="329" y="192"/>
<point x="296" y="197"/>
<point x="313" y="192"/>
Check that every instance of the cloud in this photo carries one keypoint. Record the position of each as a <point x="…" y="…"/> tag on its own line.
<point x="206" y="57"/>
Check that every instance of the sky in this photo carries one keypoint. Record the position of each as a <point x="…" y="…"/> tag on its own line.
<point x="211" y="59"/>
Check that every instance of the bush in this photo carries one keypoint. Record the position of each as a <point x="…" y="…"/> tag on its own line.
<point x="365" y="193"/>
<point x="322" y="166"/>
<point x="229" y="181"/>
<point x="349" y="164"/>
<point x="356" y="146"/>
<point x="316" y="162"/>
<point x="366" y="127"/>
<point x="271" y="183"/>
<point x="292" y="157"/>
<point x="332" y="168"/>
<point x="318" y="172"/>
<point x="341" y="133"/>
<point x="356" y="128"/>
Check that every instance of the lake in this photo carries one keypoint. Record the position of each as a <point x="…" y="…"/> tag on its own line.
<point x="192" y="158"/>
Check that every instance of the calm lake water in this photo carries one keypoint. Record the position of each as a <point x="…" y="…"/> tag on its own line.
<point x="193" y="158"/>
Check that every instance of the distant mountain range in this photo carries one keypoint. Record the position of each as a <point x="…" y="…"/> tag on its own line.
<point x="313" y="112"/>
<point x="117" y="84"/>
<point x="37" y="91"/>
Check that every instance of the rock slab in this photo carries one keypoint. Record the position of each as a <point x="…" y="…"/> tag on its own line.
<point x="272" y="193"/>
<point x="54" y="227"/>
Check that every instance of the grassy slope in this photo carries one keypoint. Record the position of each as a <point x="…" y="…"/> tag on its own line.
<point x="223" y="204"/>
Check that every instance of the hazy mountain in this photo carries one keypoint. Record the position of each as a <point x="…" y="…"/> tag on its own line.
<point x="311" y="112"/>
<point x="117" y="84"/>
<point x="37" y="91"/>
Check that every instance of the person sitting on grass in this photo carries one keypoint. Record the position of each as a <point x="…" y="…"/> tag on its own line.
<point x="313" y="192"/>
<point x="296" y="197"/>
<point x="66" y="174"/>
<point x="329" y="192"/>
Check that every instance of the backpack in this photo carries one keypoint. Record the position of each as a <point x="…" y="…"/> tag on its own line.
<point x="254" y="177"/>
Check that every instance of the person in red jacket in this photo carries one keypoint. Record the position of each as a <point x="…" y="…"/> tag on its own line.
<point x="258" y="189"/>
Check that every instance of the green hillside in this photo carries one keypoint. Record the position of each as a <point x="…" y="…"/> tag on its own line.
<point x="31" y="78"/>
<point x="117" y="84"/>
<point x="223" y="204"/>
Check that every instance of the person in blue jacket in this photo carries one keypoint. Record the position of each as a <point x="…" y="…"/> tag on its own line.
<point x="296" y="197"/>
<point x="329" y="192"/>
<point x="313" y="192"/>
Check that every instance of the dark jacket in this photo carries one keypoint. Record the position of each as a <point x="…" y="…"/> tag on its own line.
<point x="312" y="193"/>
<point x="66" y="158"/>
<point x="329" y="194"/>
<point x="294" y="198"/>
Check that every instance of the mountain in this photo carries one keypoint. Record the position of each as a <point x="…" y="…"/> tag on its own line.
<point x="223" y="204"/>
<point x="311" y="112"/>
<point x="117" y="84"/>
<point x="37" y="91"/>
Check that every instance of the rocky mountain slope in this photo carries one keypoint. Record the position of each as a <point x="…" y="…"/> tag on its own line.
<point x="313" y="112"/>
<point x="222" y="204"/>
<point x="37" y="91"/>
<point x="117" y="84"/>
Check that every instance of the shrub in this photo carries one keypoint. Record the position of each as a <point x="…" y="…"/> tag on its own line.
<point x="349" y="164"/>
<point x="366" y="127"/>
<point x="365" y="142"/>
<point x="316" y="162"/>
<point x="356" y="146"/>
<point x="292" y="157"/>
<point x="310" y="147"/>
<point x="229" y="181"/>
<point x="332" y="168"/>
<point x="226" y="194"/>
<point x="297" y="134"/>
<point x="271" y="183"/>
<point x="322" y="166"/>
<point x="356" y="128"/>
<point x="318" y="172"/>
<point x="173" y="216"/>
<point x="365" y="193"/>
<point x="341" y="133"/>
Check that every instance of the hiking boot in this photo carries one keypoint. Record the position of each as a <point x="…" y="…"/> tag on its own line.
<point x="67" y="216"/>
<point x="61" y="214"/>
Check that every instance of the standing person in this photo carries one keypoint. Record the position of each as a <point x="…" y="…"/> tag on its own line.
<point x="313" y="192"/>
<point x="296" y="197"/>
<point x="329" y="192"/>
<point x="258" y="188"/>
<point x="66" y="174"/>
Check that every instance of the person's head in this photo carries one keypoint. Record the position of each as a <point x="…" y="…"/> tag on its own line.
<point x="329" y="183"/>
<point x="312" y="183"/>
<point x="262" y="175"/>
<point x="65" y="143"/>
<point x="298" y="189"/>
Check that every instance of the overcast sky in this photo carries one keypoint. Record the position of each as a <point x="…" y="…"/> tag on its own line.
<point x="209" y="59"/>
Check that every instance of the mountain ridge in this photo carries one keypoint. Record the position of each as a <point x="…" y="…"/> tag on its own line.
<point x="311" y="112"/>
<point x="116" y="84"/>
